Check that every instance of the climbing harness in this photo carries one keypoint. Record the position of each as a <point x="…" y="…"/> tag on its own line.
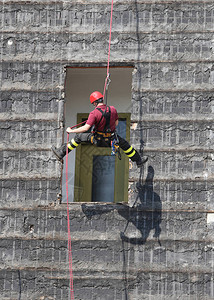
<point x="107" y="115"/>
<point x="109" y="138"/>
<point x="102" y="139"/>
<point x="115" y="146"/>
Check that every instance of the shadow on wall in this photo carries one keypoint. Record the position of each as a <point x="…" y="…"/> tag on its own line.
<point x="144" y="215"/>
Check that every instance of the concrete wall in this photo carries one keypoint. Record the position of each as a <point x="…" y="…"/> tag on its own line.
<point x="160" y="246"/>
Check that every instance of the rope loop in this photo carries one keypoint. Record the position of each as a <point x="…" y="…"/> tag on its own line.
<point x="109" y="50"/>
<point x="107" y="82"/>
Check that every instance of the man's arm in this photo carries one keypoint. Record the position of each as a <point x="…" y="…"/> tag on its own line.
<point x="81" y="129"/>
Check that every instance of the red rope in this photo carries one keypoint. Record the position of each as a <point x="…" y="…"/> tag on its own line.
<point x="78" y="124"/>
<point x="68" y="218"/>
<point x="69" y="229"/>
<point x="109" y="49"/>
<point x="68" y="221"/>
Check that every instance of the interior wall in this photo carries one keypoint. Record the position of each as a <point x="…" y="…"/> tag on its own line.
<point x="80" y="83"/>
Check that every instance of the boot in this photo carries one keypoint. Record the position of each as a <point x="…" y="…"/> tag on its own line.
<point x="59" y="152"/>
<point x="138" y="159"/>
<point x="141" y="161"/>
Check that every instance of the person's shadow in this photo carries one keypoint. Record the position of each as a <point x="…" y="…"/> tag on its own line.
<point x="145" y="214"/>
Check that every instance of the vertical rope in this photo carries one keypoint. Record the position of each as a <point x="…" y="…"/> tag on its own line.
<point x="69" y="229"/>
<point x="68" y="218"/>
<point x="109" y="50"/>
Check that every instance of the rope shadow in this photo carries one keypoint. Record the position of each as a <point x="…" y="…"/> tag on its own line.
<point x="20" y="285"/>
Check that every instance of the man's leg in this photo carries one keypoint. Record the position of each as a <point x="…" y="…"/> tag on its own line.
<point x="131" y="152"/>
<point x="78" y="139"/>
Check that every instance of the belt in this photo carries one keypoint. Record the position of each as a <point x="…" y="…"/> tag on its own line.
<point x="105" y="134"/>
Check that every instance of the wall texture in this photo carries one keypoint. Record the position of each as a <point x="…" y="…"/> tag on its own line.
<point x="160" y="244"/>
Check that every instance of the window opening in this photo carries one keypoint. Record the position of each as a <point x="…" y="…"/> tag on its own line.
<point x="80" y="82"/>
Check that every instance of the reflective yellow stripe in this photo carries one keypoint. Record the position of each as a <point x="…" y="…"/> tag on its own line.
<point x="74" y="143"/>
<point x="70" y="147"/>
<point x="128" y="150"/>
<point x="132" y="154"/>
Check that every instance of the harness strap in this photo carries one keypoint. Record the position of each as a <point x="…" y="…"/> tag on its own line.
<point x="104" y="134"/>
<point x="107" y="115"/>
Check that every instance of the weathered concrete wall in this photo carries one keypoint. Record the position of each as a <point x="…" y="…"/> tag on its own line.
<point x="161" y="245"/>
<point x="119" y="252"/>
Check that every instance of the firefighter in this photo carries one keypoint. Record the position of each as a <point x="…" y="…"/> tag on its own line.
<point x="104" y="119"/>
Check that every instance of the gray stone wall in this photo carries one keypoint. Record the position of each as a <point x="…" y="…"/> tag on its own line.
<point x="160" y="244"/>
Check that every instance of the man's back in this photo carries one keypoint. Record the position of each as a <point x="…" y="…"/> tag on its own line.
<point x="95" y="118"/>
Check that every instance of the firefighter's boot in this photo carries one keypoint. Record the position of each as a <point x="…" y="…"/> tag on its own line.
<point x="141" y="161"/>
<point x="60" y="152"/>
<point x="138" y="159"/>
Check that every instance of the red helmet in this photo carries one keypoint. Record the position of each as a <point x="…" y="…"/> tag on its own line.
<point x="95" y="96"/>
